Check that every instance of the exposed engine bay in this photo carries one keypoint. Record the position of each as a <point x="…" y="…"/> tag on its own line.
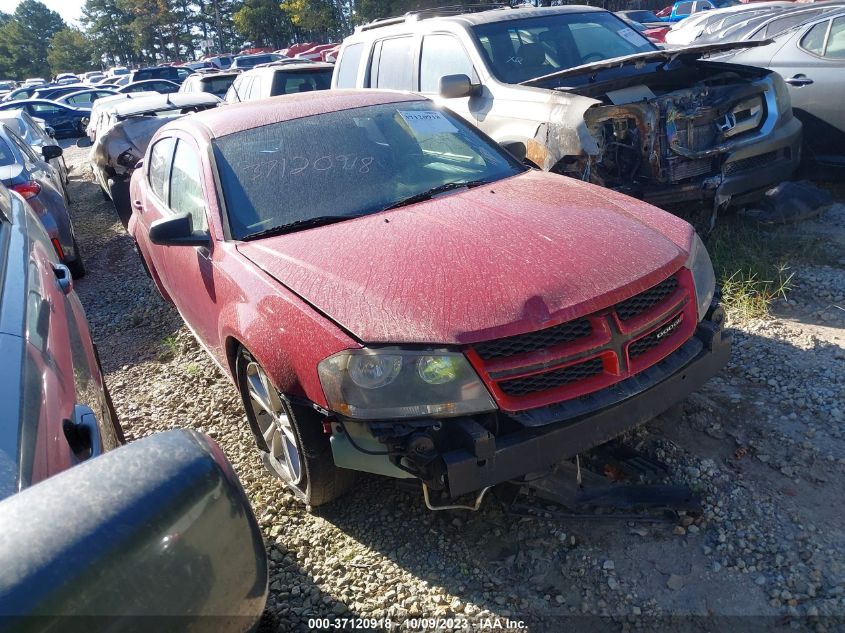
<point x="667" y="144"/>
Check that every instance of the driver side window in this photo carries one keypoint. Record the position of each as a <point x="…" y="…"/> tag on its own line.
<point x="186" y="186"/>
<point x="158" y="174"/>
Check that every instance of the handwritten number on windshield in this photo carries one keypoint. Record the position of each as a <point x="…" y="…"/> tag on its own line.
<point x="299" y="164"/>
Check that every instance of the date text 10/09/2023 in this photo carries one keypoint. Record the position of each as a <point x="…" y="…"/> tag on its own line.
<point x="415" y="624"/>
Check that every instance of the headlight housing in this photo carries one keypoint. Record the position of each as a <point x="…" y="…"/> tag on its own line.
<point x="701" y="267"/>
<point x="375" y="384"/>
<point x="783" y="100"/>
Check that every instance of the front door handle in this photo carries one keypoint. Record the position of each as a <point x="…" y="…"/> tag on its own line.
<point x="799" y="80"/>
<point x="63" y="278"/>
<point x="83" y="433"/>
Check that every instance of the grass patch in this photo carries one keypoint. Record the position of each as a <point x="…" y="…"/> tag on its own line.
<point x="754" y="264"/>
<point x="169" y="348"/>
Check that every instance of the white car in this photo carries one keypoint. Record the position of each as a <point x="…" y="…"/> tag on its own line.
<point x="685" y="32"/>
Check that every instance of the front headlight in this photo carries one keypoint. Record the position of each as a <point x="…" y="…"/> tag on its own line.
<point x="783" y="100"/>
<point x="375" y="384"/>
<point x="699" y="264"/>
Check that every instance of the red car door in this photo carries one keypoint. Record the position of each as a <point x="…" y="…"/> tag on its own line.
<point x="191" y="275"/>
<point x="149" y="200"/>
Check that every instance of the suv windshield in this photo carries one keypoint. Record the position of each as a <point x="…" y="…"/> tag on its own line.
<point x="248" y="61"/>
<point x="285" y="83"/>
<point x="519" y="50"/>
<point x="293" y="173"/>
<point x="217" y="85"/>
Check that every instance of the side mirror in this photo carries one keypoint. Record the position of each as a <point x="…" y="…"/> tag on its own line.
<point x="177" y="231"/>
<point x="456" y="86"/>
<point x="49" y="152"/>
<point x="158" y="527"/>
<point x="84" y="142"/>
<point x="50" y="132"/>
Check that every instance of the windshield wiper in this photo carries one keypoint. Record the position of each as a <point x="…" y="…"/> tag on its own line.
<point x="429" y="194"/>
<point x="307" y="223"/>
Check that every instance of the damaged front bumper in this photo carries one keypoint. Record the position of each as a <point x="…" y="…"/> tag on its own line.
<point x="466" y="454"/>
<point x="723" y="144"/>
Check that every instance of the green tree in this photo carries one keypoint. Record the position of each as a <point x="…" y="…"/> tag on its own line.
<point x="263" y="23"/>
<point x="71" y="51"/>
<point x="26" y="38"/>
<point x="107" y="24"/>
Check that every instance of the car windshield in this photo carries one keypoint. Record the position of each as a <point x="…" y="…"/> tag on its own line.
<point x="217" y="85"/>
<point x="290" y="82"/>
<point x="292" y="173"/>
<point x="642" y="16"/>
<point x="519" y="50"/>
<point x="254" y="60"/>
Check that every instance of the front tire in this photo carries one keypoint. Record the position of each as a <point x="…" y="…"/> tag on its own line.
<point x="291" y="438"/>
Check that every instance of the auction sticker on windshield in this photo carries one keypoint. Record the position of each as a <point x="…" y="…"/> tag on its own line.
<point x="427" y="121"/>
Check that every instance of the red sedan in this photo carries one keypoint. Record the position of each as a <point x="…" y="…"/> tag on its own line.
<point x="392" y="292"/>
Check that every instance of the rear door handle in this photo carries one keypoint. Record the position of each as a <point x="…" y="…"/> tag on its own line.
<point x="799" y="80"/>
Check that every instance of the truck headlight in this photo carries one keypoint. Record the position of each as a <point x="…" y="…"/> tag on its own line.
<point x="375" y="384"/>
<point x="699" y="264"/>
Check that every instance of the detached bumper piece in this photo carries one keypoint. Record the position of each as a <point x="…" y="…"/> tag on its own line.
<point x="557" y="432"/>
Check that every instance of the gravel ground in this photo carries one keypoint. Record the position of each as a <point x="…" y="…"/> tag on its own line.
<point x="764" y="444"/>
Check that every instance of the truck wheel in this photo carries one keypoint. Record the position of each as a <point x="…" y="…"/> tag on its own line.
<point x="290" y="438"/>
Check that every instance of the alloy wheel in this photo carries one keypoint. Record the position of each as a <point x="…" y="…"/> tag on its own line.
<point x="274" y="424"/>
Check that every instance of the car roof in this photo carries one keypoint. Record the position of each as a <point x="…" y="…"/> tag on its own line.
<point x="131" y="107"/>
<point x="480" y="17"/>
<point x="285" y="64"/>
<point x="210" y="76"/>
<point x="247" y="115"/>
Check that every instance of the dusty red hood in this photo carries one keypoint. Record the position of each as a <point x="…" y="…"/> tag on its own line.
<point x="497" y="260"/>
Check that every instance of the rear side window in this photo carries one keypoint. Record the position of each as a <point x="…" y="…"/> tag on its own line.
<point x="442" y="55"/>
<point x="347" y="68"/>
<point x="813" y="41"/>
<point x="392" y="64"/>
<point x="161" y="156"/>
<point x="23" y="148"/>
<point x="6" y="156"/>
<point x="835" y="48"/>
<point x="186" y="186"/>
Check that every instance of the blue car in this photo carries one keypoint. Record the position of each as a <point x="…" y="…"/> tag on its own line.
<point x="64" y="119"/>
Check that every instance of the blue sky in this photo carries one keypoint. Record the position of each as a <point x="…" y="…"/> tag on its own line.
<point x="70" y="10"/>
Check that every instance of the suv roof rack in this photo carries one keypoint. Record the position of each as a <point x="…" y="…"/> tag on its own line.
<point x="286" y="62"/>
<point x="433" y="12"/>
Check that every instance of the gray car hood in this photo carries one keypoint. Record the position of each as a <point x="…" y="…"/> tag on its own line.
<point x="666" y="55"/>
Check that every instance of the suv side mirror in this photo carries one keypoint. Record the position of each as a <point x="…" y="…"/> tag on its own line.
<point x="177" y="230"/>
<point x="456" y="86"/>
<point x="84" y="142"/>
<point x="49" y="152"/>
